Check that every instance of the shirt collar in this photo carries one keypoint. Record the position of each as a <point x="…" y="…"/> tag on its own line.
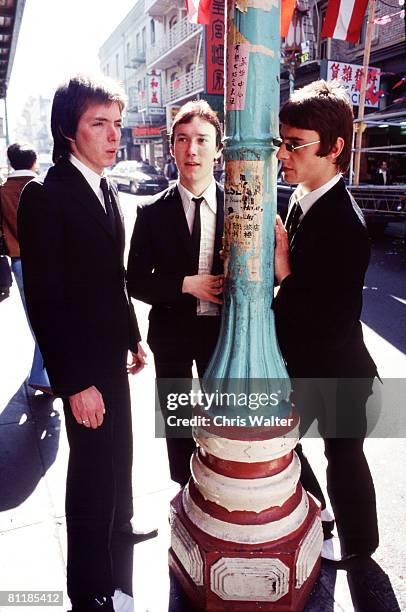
<point x="209" y="194"/>
<point x="17" y="173"/>
<point x="90" y="175"/>
<point x="307" y="200"/>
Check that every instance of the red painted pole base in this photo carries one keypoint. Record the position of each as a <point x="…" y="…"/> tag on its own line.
<point x="219" y="575"/>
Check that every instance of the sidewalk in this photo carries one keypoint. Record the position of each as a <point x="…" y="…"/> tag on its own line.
<point x="33" y="457"/>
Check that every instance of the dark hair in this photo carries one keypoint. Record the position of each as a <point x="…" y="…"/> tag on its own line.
<point x="197" y="108"/>
<point x="324" y="107"/>
<point x="21" y="155"/>
<point x="72" y="99"/>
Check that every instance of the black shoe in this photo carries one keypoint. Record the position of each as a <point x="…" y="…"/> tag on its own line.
<point x="93" y="604"/>
<point x="134" y="535"/>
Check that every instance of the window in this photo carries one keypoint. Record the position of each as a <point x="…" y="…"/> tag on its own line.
<point x="128" y="52"/>
<point x="152" y="32"/>
<point x="144" y="40"/>
<point x="117" y="64"/>
<point x="137" y="46"/>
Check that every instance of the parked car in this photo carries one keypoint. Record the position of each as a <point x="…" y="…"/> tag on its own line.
<point x="139" y="178"/>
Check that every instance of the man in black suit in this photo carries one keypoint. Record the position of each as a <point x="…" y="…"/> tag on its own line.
<point x="174" y="262"/>
<point x="321" y="257"/>
<point x="72" y="241"/>
<point x="383" y="175"/>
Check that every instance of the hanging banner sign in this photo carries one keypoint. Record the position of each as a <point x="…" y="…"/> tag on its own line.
<point x="214" y="39"/>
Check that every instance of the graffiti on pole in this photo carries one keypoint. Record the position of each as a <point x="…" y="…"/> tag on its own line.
<point x="237" y="75"/>
<point x="244" y="212"/>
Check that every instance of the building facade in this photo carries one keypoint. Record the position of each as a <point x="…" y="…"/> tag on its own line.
<point x="306" y="57"/>
<point x="163" y="61"/>
<point x="123" y="57"/>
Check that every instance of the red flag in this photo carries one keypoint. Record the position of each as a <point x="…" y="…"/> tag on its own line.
<point x="198" y="11"/>
<point x="287" y="10"/>
<point x="344" y="19"/>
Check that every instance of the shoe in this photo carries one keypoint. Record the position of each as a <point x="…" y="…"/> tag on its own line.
<point x="93" y="604"/>
<point x="135" y="535"/>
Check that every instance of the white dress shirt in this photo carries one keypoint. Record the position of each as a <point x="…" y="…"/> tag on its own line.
<point x="307" y="200"/>
<point x="91" y="176"/>
<point x="18" y="173"/>
<point x="208" y="212"/>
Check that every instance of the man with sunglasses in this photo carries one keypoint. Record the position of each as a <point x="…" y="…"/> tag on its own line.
<point x="321" y="256"/>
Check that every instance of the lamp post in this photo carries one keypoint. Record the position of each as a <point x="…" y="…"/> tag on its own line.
<point x="245" y="535"/>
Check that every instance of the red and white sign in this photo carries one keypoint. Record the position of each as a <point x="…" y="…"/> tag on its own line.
<point x="214" y="39"/>
<point x="350" y="75"/>
<point x="344" y="19"/>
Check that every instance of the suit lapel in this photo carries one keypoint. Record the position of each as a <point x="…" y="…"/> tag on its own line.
<point x="177" y="214"/>
<point x="317" y="214"/>
<point x="80" y="190"/>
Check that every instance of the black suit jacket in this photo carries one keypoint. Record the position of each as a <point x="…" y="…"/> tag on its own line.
<point x="318" y="306"/>
<point x="161" y="256"/>
<point x="74" y="280"/>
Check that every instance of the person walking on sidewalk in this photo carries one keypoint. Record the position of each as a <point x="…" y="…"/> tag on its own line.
<point x="72" y="243"/>
<point x="23" y="160"/>
<point x="174" y="263"/>
<point x="321" y="257"/>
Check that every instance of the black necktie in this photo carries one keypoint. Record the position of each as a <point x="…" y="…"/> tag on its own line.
<point x="107" y="202"/>
<point x="293" y="220"/>
<point x="196" y="233"/>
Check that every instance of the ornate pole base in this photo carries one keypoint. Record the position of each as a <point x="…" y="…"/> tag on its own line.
<point x="245" y="534"/>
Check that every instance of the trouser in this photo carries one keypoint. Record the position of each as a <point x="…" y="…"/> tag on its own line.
<point x="38" y="375"/>
<point x="174" y="359"/>
<point x="340" y="409"/>
<point x="98" y="492"/>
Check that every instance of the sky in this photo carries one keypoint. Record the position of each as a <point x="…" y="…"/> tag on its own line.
<point x="58" y="38"/>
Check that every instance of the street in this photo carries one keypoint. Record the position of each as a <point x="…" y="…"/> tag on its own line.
<point x="33" y="455"/>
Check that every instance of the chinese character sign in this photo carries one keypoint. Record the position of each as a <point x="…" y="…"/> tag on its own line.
<point x="154" y="91"/>
<point x="351" y="75"/>
<point x="214" y="38"/>
<point x="237" y="67"/>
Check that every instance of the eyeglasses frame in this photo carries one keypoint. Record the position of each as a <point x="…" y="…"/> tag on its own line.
<point x="278" y="142"/>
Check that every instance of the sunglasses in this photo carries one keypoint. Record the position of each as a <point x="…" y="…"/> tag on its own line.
<point x="278" y="142"/>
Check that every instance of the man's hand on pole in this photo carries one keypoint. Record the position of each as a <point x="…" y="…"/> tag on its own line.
<point x="204" y="287"/>
<point x="282" y="265"/>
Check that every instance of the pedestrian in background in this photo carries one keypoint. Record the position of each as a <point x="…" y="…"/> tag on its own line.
<point x="23" y="160"/>
<point x="383" y="175"/>
<point x="170" y="170"/>
<point x="72" y="244"/>
<point x="321" y="257"/>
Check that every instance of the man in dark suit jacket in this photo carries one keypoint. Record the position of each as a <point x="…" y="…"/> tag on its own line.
<point x="174" y="262"/>
<point x="72" y="242"/>
<point x="321" y="257"/>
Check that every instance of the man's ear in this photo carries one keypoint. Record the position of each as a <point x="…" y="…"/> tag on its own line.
<point x="336" y="149"/>
<point x="171" y="151"/>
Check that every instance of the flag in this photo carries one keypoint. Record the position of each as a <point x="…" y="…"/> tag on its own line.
<point x="344" y="19"/>
<point x="287" y="10"/>
<point x="198" y="11"/>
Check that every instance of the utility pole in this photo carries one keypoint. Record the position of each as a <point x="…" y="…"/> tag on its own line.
<point x="364" y="80"/>
<point x="245" y="534"/>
